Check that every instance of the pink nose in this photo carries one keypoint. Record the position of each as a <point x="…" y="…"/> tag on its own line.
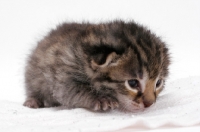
<point x="147" y="104"/>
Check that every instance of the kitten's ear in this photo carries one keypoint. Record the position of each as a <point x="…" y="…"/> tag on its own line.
<point x="103" y="55"/>
<point x="104" y="60"/>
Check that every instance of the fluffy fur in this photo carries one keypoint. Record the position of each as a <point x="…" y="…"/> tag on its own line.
<point x="97" y="66"/>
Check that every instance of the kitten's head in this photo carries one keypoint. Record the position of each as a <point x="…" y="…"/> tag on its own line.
<point x="129" y="63"/>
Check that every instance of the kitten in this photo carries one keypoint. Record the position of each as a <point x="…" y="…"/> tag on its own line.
<point x="97" y="66"/>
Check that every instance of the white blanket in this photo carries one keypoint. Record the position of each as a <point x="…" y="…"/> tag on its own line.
<point x="178" y="106"/>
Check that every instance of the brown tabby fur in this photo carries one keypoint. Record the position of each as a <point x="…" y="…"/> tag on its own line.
<point x="86" y="65"/>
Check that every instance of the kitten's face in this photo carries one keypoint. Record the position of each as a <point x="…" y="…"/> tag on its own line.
<point x="135" y="86"/>
<point x="137" y="89"/>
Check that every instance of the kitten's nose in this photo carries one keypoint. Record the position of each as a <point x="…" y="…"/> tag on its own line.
<point x="147" y="103"/>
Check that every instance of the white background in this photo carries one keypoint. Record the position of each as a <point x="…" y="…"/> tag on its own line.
<point x="24" y="22"/>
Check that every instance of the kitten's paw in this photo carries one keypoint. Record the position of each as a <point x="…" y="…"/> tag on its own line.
<point x="105" y="104"/>
<point x="33" y="103"/>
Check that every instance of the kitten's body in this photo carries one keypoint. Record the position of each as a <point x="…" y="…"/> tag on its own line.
<point x="97" y="66"/>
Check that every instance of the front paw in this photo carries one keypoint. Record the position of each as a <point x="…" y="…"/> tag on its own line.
<point x="105" y="104"/>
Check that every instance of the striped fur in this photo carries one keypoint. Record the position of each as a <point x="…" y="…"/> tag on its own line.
<point x="88" y="66"/>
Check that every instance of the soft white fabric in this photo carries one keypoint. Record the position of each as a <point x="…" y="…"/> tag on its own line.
<point x="178" y="107"/>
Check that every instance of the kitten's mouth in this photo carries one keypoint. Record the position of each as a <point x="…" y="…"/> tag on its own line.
<point x="141" y="106"/>
<point x="137" y="107"/>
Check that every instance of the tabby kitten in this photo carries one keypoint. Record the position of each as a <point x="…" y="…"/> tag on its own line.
<point x="97" y="66"/>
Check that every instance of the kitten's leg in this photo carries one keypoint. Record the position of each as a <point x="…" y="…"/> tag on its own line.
<point x="96" y="103"/>
<point x="33" y="103"/>
<point x="80" y="96"/>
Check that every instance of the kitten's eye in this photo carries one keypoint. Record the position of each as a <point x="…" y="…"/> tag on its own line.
<point x="158" y="83"/>
<point x="133" y="83"/>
